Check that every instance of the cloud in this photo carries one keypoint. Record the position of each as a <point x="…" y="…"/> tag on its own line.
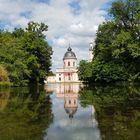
<point x="69" y="21"/>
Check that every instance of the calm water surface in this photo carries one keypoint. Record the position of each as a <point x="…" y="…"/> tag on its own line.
<point x="70" y="112"/>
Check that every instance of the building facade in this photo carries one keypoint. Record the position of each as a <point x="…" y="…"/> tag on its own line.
<point x="69" y="72"/>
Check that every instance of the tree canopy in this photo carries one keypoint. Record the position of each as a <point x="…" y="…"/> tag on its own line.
<point x="26" y="54"/>
<point x="117" y="49"/>
<point x="3" y="74"/>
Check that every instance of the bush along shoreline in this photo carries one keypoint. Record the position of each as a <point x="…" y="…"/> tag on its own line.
<point x="4" y="79"/>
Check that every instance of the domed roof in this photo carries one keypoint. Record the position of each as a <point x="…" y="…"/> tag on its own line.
<point x="69" y="54"/>
<point x="70" y="111"/>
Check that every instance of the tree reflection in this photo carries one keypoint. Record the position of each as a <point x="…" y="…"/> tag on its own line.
<point x="117" y="110"/>
<point x="27" y="114"/>
<point x="4" y="95"/>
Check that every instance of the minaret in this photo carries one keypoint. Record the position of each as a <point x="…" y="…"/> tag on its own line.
<point x="91" y="51"/>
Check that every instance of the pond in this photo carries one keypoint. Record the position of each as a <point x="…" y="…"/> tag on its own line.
<point x="70" y="112"/>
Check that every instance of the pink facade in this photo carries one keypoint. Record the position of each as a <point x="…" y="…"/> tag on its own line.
<point x="69" y="72"/>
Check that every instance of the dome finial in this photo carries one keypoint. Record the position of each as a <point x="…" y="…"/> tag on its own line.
<point x="69" y="54"/>
<point x="69" y="49"/>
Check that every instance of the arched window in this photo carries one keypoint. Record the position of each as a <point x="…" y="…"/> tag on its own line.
<point x="73" y="63"/>
<point x="68" y="63"/>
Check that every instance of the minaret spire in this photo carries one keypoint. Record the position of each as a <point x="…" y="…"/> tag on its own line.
<point x="91" y="45"/>
<point x="69" y="48"/>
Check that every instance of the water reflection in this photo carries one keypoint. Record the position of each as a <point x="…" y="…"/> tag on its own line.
<point x="71" y="120"/>
<point x="24" y="115"/>
<point x="117" y="110"/>
<point x="68" y="92"/>
<point x="70" y="112"/>
<point x="4" y="96"/>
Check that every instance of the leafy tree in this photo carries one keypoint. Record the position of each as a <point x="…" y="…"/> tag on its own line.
<point x="85" y="70"/>
<point x="13" y="57"/>
<point x="3" y="74"/>
<point x="40" y="52"/>
<point x="26" y="54"/>
<point x="117" y="51"/>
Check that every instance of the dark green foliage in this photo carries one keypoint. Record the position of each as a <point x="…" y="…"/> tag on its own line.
<point x="26" y="54"/>
<point x="85" y="70"/>
<point x="117" y="49"/>
<point x="108" y="72"/>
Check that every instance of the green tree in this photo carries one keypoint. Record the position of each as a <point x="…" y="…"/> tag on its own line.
<point x="3" y="74"/>
<point x="14" y="58"/>
<point x="40" y="52"/>
<point x="117" y="51"/>
<point x="26" y="54"/>
<point x="85" y="70"/>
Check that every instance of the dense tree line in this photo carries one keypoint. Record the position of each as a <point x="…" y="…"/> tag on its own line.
<point x="117" y="46"/>
<point x="25" y="54"/>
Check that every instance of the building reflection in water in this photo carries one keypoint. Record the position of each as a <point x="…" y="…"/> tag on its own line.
<point x="69" y="93"/>
<point x="72" y="121"/>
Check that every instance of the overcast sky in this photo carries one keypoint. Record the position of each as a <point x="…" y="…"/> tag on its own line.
<point x="69" y="21"/>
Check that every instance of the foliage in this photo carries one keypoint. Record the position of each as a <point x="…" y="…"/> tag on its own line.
<point x="26" y="54"/>
<point x="85" y="70"/>
<point x="117" y="49"/>
<point x="3" y="74"/>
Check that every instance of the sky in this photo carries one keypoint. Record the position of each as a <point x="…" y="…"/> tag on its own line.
<point x="73" y="22"/>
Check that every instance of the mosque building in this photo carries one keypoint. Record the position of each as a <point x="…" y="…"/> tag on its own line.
<point x="69" y="72"/>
